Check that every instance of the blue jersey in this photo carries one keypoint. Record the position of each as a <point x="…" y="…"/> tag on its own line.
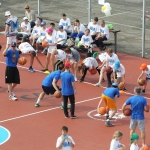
<point x="111" y="92"/>
<point x="12" y="58"/>
<point x="137" y="103"/>
<point x="67" y="79"/>
<point x="49" y="78"/>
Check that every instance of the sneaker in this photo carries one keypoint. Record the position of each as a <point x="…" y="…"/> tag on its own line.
<point x="31" y="69"/>
<point x="44" y="70"/>
<point x="107" y="116"/>
<point x="37" y="105"/>
<point x="97" y="84"/>
<point x="108" y="124"/>
<point x="12" y="98"/>
<point x="36" y="51"/>
<point x="143" y="92"/>
<point x="73" y="117"/>
<point x="67" y="116"/>
<point x="81" y="80"/>
<point x="62" y="107"/>
<point x="75" y="78"/>
<point x="13" y="94"/>
<point x="44" y="51"/>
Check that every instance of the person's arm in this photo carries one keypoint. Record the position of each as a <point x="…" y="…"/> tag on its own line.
<point x="6" y="29"/>
<point x="99" y="104"/>
<point x="32" y="16"/>
<point x="141" y="75"/>
<point x="59" y="146"/>
<point x="70" y="142"/>
<point x="74" y="87"/>
<point x="4" y="52"/>
<point x="123" y="107"/>
<point x="104" y="62"/>
<point x="54" y="83"/>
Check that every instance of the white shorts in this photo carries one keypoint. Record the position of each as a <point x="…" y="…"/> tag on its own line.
<point x="40" y="39"/>
<point x="51" y="48"/>
<point x="11" y="39"/>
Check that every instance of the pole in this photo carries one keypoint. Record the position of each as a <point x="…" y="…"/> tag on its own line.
<point x="38" y="7"/>
<point x="89" y="11"/>
<point x="143" y="31"/>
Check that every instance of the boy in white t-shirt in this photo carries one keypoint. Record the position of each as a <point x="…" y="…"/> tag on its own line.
<point x="25" y="30"/>
<point x="35" y="32"/>
<point x="103" y="34"/>
<point x="61" y="37"/>
<point x="93" y="27"/>
<point x="25" y="48"/>
<point x="145" y="70"/>
<point x="51" y="45"/>
<point x="65" y="22"/>
<point x="65" y="142"/>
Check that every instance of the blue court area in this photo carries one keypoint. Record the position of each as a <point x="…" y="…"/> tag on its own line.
<point x="4" y="135"/>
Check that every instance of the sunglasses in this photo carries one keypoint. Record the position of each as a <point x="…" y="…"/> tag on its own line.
<point x="26" y="8"/>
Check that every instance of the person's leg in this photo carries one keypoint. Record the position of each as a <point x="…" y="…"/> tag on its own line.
<point x="141" y="125"/>
<point x="133" y="125"/>
<point x="84" y="74"/>
<point x="47" y="60"/>
<point x="100" y="77"/>
<point x="72" y="108"/>
<point x="24" y="38"/>
<point x="80" y="34"/>
<point x="143" y="137"/>
<point x="32" y="24"/>
<point x="65" y="99"/>
<point x="144" y="87"/>
<point x="100" y="42"/>
<point x="109" y="79"/>
<point x="13" y="86"/>
<point x="41" y="96"/>
<point x="73" y="35"/>
<point x="31" y="60"/>
<point x="75" y="70"/>
<point x="98" y="70"/>
<point x="10" y="89"/>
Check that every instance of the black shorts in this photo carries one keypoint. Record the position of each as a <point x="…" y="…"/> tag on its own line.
<point x="49" y="90"/>
<point x="12" y="75"/>
<point x="56" y="65"/>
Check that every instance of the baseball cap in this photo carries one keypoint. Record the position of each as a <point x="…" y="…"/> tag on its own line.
<point x="49" y="30"/>
<point x="7" y="13"/>
<point x="143" y="66"/>
<point x="25" y="18"/>
<point x="134" y="137"/>
<point x="115" y="84"/>
<point x="60" y="27"/>
<point x="43" y="23"/>
<point x="95" y="54"/>
<point x="13" y="44"/>
<point x="117" y="65"/>
<point x="67" y="64"/>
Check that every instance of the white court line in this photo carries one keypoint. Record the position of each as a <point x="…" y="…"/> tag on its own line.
<point x="45" y="110"/>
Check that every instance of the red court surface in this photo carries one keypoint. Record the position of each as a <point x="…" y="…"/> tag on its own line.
<point x="34" y="128"/>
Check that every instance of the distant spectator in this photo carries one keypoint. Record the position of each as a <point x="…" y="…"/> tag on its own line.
<point x="65" y="22"/>
<point x="25" y="30"/>
<point x="11" y="28"/>
<point x="115" y="143"/>
<point x="93" y="27"/>
<point x="61" y="37"/>
<point x="52" y="25"/>
<point x="30" y="14"/>
<point x="78" y="29"/>
<point x="103" y="35"/>
<point x="65" y="142"/>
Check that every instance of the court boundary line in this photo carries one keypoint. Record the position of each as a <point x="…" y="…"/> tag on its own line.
<point x="128" y="93"/>
<point x="46" y="110"/>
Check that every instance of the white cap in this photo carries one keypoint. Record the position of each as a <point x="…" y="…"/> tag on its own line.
<point x="25" y="18"/>
<point x="7" y="13"/>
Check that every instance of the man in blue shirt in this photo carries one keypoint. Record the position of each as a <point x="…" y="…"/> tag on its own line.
<point x="49" y="84"/>
<point x="12" y="77"/>
<point x="68" y="90"/>
<point x="138" y="106"/>
<point x="109" y="97"/>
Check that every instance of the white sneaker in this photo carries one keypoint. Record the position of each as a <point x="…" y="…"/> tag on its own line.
<point x="13" y="94"/>
<point x="97" y="84"/>
<point x="75" y="78"/>
<point x="12" y="98"/>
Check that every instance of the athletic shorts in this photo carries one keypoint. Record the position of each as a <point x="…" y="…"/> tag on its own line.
<point x="12" y="75"/>
<point x="40" y="39"/>
<point x="109" y="102"/>
<point x="11" y="39"/>
<point x="49" y="90"/>
<point x="140" y="123"/>
<point x="56" y="65"/>
<point x="147" y="79"/>
<point x="50" y="48"/>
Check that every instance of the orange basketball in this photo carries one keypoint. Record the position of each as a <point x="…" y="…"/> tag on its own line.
<point x="44" y="44"/>
<point x="108" y="69"/>
<point x="141" y="82"/>
<point x="22" y="60"/>
<point x="121" y="85"/>
<point x="93" y="71"/>
<point x="57" y="94"/>
<point x="127" y="112"/>
<point x="102" y="110"/>
<point x="145" y="148"/>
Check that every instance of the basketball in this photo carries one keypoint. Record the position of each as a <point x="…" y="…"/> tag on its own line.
<point x="22" y="60"/>
<point x="108" y="69"/>
<point x="141" y="82"/>
<point x="102" y="110"/>
<point x="93" y="71"/>
<point x="44" y="44"/>
<point x="127" y="112"/>
<point x="57" y="94"/>
<point x="145" y="148"/>
<point x="121" y="85"/>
